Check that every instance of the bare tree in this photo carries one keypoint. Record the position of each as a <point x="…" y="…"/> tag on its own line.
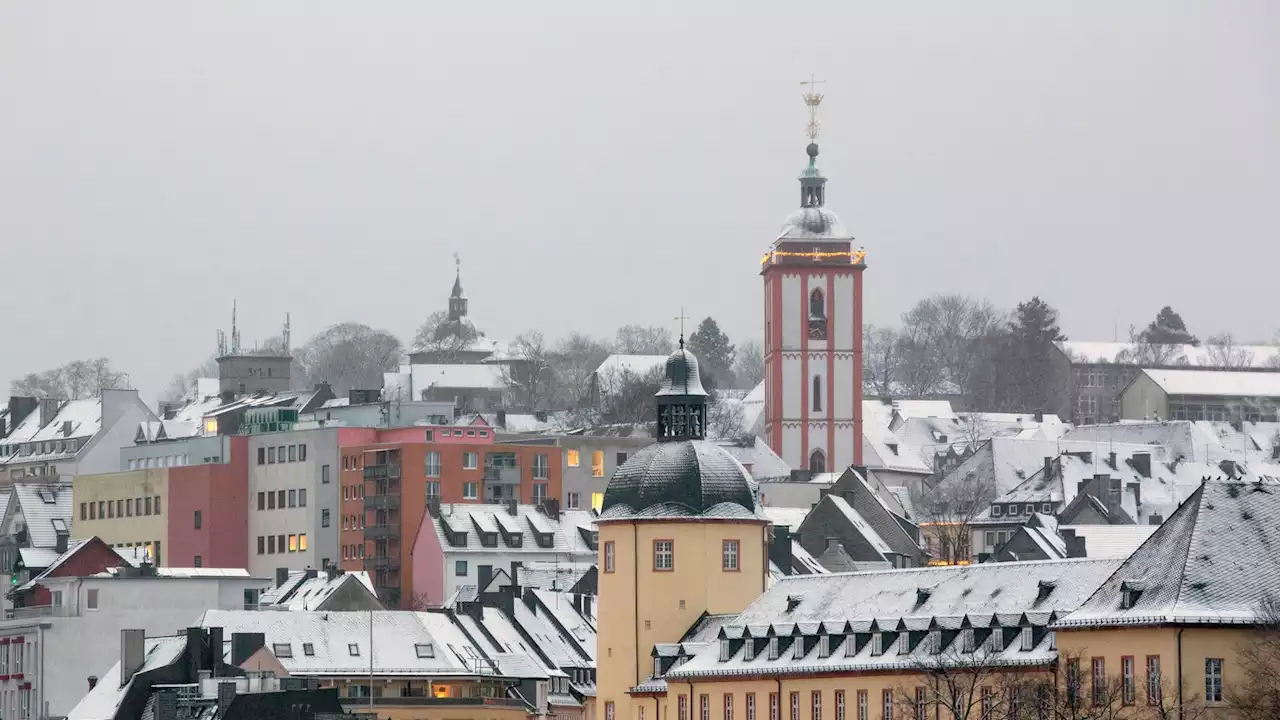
<point x="640" y="340"/>
<point x="183" y="385"/>
<point x="350" y="355"/>
<point x="946" y="512"/>
<point x="529" y="377"/>
<point x="76" y="380"/>
<point x="1259" y="698"/>
<point x="950" y="326"/>
<point x="573" y="361"/>
<point x="1222" y="350"/>
<point x="1150" y="354"/>
<point x="444" y="346"/>
<point x="630" y="397"/>
<point x="880" y="360"/>
<point x="725" y="419"/>
<point x="748" y="364"/>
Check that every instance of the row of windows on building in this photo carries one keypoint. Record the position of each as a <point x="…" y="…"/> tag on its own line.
<point x="456" y="432"/>
<point x="573" y="459"/>
<point x="1016" y="509"/>
<point x="273" y="544"/>
<point x="353" y="522"/>
<point x="47" y="447"/>
<point x="1100" y="685"/>
<point x="160" y="461"/>
<point x="150" y="550"/>
<point x="1259" y="410"/>
<point x="664" y="555"/>
<point x="128" y="507"/>
<point x="282" y="499"/>
<point x="573" y="501"/>
<point x="273" y="454"/>
<point x="352" y="552"/>
<point x="37" y="471"/>
<point x="17" y="657"/>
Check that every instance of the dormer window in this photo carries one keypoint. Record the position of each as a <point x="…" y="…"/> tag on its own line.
<point x="877" y="644"/>
<point x="726" y="649"/>
<point x="1130" y="591"/>
<point x="1028" y="640"/>
<point x="657" y="667"/>
<point x="934" y="640"/>
<point x="797" y="648"/>
<point x="824" y="646"/>
<point x="893" y="447"/>
<point x="1013" y="511"/>
<point x="773" y="648"/>
<point x="995" y="511"/>
<point x="1031" y="508"/>
<point x="851" y="646"/>
<point x="749" y="649"/>
<point x="966" y="640"/>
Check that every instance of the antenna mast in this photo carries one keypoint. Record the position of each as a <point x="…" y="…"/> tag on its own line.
<point x="235" y="331"/>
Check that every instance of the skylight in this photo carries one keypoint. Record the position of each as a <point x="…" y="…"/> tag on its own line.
<point x="308" y="649"/>
<point x="354" y="649"/>
<point x="282" y="650"/>
<point x="425" y="650"/>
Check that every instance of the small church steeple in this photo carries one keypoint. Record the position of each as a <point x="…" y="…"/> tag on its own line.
<point x="682" y="401"/>
<point x="457" y="298"/>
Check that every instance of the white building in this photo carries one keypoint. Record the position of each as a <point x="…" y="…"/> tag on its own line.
<point x="293" y="500"/>
<point x="49" y="651"/>
<point x="62" y="438"/>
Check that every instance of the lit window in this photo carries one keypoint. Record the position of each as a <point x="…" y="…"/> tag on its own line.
<point x="302" y="542"/>
<point x="597" y="501"/>
<point x="211" y="426"/>
<point x="293" y="543"/>
<point x="663" y="554"/>
<point x="597" y="463"/>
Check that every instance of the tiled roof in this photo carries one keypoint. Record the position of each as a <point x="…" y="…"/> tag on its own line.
<point x="876" y="512"/>
<point x="569" y="534"/>
<point x="1210" y="563"/>
<point x="1111" y="541"/>
<point x="300" y="592"/>
<point x="552" y="576"/>
<point x="695" y="475"/>
<point x="41" y="504"/>
<point x="103" y="701"/>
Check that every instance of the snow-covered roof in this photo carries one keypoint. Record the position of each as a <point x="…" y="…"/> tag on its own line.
<point x="74" y="424"/>
<point x="41" y="504"/>
<point x="339" y="642"/>
<point x="617" y="366"/>
<point x="752" y="405"/>
<point x="1216" y="383"/>
<point x="180" y="572"/>
<point x="864" y="528"/>
<point x="1004" y="594"/>
<point x="1111" y="541"/>
<point x="552" y="575"/>
<point x="103" y="701"/>
<point x="785" y="516"/>
<point x="764" y="464"/>
<point x="568" y="533"/>
<point x="1210" y="563"/>
<point x="308" y="589"/>
<point x="486" y="377"/>
<point x="1204" y="355"/>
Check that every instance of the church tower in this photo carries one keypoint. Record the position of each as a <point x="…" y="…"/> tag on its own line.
<point x="680" y="536"/>
<point x="813" y="329"/>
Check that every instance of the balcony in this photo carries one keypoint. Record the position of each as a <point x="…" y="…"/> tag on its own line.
<point x="381" y="502"/>
<point x="379" y="532"/>
<point x="383" y="562"/>
<point x="37" y="611"/>
<point x="502" y="475"/>
<point x="382" y="472"/>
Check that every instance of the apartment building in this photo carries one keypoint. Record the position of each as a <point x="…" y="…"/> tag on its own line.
<point x="293" y="504"/>
<point x="65" y="438"/>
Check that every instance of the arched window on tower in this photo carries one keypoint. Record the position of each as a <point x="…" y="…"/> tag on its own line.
<point x="817" y="462"/>
<point x="817" y="304"/>
<point x="817" y="393"/>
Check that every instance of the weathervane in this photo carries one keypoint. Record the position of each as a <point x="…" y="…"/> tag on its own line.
<point x="812" y="99"/>
<point x="681" y="318"/>
<point x="457" y="262"/>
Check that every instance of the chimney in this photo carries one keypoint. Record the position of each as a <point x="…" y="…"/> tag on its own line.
<point x="48" y="409"/>
<point x="512" y="508"/>
<point x="502" y="419"/>
<point x="311" y="573"/>
<point x="515" y="574"/>
<point x="93" y="681"/>
<point x="484" y="575"/>
<point x="60" y="542"/>
<point x="132" y="652"/>
<point x="1074" y="543"/>
<point x="780" y="549"/>
<point x="1155" y="519"/>
<point x="1039" y="416"/>
<point x="19" y="408"/>
<point x="215" y="650"/>
<point x="195" y="653"/>
<point x="282" y="576"/>
<point x="166" y="705"/>
<point x="551" y="508"/>
<point x="1142" y="463"/>
<point x="244" y="645"/>
<point x="1048" y="468"/>
<point x="226" y="696"/>
<point x="1111" y="460"/>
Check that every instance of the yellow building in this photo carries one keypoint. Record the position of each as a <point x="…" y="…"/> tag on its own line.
<point x="124" y="509"/>
<point x="689" y="631"/>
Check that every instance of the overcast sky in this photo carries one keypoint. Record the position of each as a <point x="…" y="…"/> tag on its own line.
<point x="596" y="166"/>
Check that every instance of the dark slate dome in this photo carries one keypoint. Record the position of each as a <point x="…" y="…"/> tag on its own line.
<point x="687" y="478"/>
<point x="682" y="376"/>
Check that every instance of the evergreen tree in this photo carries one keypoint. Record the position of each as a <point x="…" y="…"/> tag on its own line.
<point x="715" y="354"/>
<point x="1022" y="376"/>
<point x="1167" y="329"/>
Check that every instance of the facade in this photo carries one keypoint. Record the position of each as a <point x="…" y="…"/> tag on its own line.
<point x="293" y="504"/>
<point x="587" y="462"/>
<point x="182" y="516"/>
<point x="1201" y="395"/>
<point x="389" y="477"/>
<point x="85" y="595"/>
<point x="813" y="334"/>
<point x="65" y="438"/>
<point x="460" y="546"/>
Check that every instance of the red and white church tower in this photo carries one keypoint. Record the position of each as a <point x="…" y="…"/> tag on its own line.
<point x="813" y="329"/>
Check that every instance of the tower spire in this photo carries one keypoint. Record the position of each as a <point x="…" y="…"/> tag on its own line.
<point x="812" y="183"/>
<point x="681" y="317"/>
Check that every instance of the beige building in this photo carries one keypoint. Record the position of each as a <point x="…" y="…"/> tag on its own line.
<point x="124" y="509"/>
<point x="1215" y="395"/>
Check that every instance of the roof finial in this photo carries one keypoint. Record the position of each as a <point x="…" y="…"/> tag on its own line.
<point x="681" y="318"/>
<point x="812" y="99"/>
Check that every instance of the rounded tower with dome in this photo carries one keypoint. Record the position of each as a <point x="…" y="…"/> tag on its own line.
<point x="680" y="535"/>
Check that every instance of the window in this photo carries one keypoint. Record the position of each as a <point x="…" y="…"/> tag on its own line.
<point x="470" y="460"/>
<point x="815" y="705"/>
<point x="663" y="555"/>
<point x="262" y="545"/>
<point x="597" y="463"/>
<point x="262" y="501"/>
<point x="147" y="506"/>
<point x="816" y="304"/>
<point x="469" y="491"/>
<point x="302" y="452"/>
<point x="773" y="648"/>
<point x="271" y="501"/>
<point x="797" y="648"/>
<point x="324" y="472"/>
<point x="197" y="561"/>
<point x="540" y="467"/>
<point x="293" y="453"/>
<point x="774" y="710"/>
<point x="282" y="650"/>
<point x="571" y="501"/>
<point x="817" y="393"/>
<point x="704" y="707"/>
<point x="621" y="459"/>
<point x="817" y="462"/>
<point x="271" y="455"/>
<point x="877" y="644"/>
<point x="862" y="705"/>
<point x="302" y="497"/>
<point x="839" y="705"/>
<point x="608" y="556"/>
<point x="324" y="518"/>
<point x="293" y="498"/>
<point x="433" y="489"/>
<point x="1099" y="681"/>
<point x="353" y="649"/>
<point x="751" y="706"/>
<point x="728" y="706"/>
<point x="1031" y="509"/>
<point x="307" y="648"/>
<point x="571" y="458"/>
<point x="1028" y="640"/>
<point x="886" y="701"/>
<point x="1213" y="680"/>
<point x="1154" y="688"/>
<point x="262" y="456"/>
<point x="302" y="542"/>
<point x="293" y="543"/>
<point x="433" y="463"/>
<point x="729" y="556"/>
<point x="539" y="493"/>
<point x="682" y="712"/>
<point x="922" y="704"/>
<point x="1127" y="690"/>
<point x="271" y="544"/>
<point x="84" y="511"/>
<point x="128" y="507"/>
<point x="460" y="568"/>
<point x="157" y="504"/>
<point x="280" y="499"/>
<point x="199" y="517"/>
<point x="91" y="599"/>
<point x="795" y="706"/>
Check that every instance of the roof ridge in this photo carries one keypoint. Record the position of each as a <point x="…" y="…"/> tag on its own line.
<point x="992" y="566"/>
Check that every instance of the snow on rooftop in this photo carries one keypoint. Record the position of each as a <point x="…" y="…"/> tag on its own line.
<point x="1220" y="383"/>
<point x="1204" y="355"/>
<point x="486" y="377"/>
